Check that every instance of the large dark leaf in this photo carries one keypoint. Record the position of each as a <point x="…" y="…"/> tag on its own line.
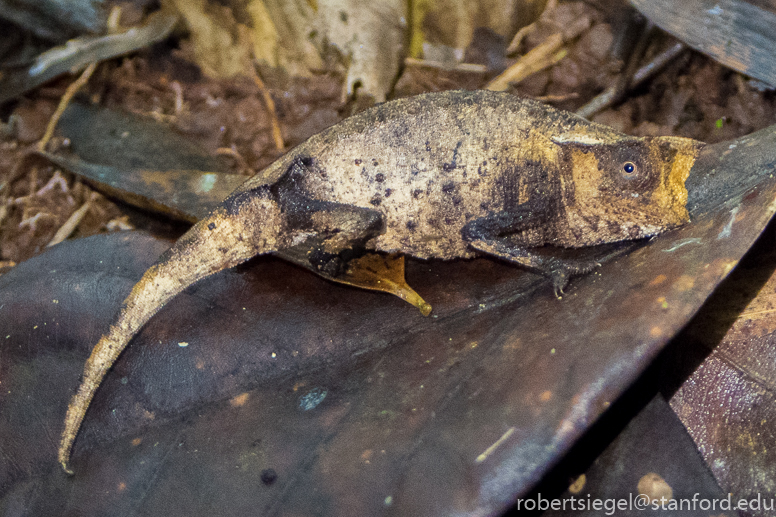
<point x="268" y="390"/>
<point x="728" y="403"/>
<point x="739" y="34"/>
<point x="77" y="53"/>
<point x="654" y="442"/>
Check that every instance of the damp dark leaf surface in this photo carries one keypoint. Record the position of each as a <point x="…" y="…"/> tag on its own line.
<point x="728" y="403"/>
<point x="653" y="443"/>
<point x="269" y="390"/>
<point x="737" y="33"/>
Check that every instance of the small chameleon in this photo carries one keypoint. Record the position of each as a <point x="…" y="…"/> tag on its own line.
<point x="439" y="176"/>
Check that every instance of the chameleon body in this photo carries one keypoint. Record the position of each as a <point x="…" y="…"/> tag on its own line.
<point x="437" y="176"/>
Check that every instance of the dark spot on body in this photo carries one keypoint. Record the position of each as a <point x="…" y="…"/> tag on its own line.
<point x="448" y="187"/>
<point x="376" y="201"/>
<point x="634" y="232"/>
<point x="388" y="192"/>
<point x="411" y="225"/>
<point x="428" y="146"/>
<point x="375" y="163"/>
<point x="343" y="16"/>
<point x="449" y="221"/>
<point x="211" y="226"/>
<point x="223" y="250"/>
<point x="358" y="162"/>
<point x="330" y="263"/>
<point x="268" y="476"/>
<point x="447" y="167"/>
<point x="592" y="222"/>
<point x="306" y="161"/>
<point x="614" y="228"/>
<point x="379" y="115"/>
<point x="416" y="193"/>
<point x="485" y="206"/>
<point x="379" y="177"/>
<point x="457" y="200"/>
<point x="234" y="202"/>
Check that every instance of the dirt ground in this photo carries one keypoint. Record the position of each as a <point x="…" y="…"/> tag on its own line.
<point x="693" y="96"/>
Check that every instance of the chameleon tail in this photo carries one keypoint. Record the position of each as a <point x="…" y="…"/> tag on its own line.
<point x="247" y="224"/>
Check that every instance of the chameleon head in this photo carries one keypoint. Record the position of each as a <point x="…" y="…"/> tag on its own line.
<point x="622" y="188"/>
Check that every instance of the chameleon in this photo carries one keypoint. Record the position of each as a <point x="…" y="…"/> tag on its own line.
<point x="448" y="175"/>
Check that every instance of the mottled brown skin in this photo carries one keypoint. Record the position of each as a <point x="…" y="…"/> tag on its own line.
<point x="445" y="176"/>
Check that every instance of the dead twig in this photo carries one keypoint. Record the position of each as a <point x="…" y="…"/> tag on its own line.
<point x="514" y="45"/>
<point x="557" y="98"/>
<point x="438" y="65"/>
<point x="32" y="222"/>
<point x="277" y="135"/>
<point x="63" y="103"/>
<point x="538" y="58"/>
<point x="119" y="224"/>
<point x="544" y="55"/>
<point x="176" y="87"/>
<point x="610" y="96"/>
<point x="4" y="209"/>
<point x="56" y="179"/>
<point x="113" y="27"/>
<point x="71" y="224"/>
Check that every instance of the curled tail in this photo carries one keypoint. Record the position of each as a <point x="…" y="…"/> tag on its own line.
<point x="247" y="224"/>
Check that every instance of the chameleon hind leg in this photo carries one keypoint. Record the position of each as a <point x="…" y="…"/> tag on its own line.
<point x="333" y="245"/>
<point x="490" y="235"/>
<point x="329" y="234"/>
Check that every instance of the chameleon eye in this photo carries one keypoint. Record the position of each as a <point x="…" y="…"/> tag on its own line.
<point x="629" y="169"/>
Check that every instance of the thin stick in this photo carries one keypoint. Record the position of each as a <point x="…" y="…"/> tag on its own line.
<point x="609" y="96"/>
<point x="70" y="225"/>
<point x="113" y="27"/>
<point x="63" y="102"/>
<point x="540" y="57"/>
<point x="524" y="31"/>
<point x="3" y="209"/>
<point x="277" y="136"/>
<point x="544" y="55"/>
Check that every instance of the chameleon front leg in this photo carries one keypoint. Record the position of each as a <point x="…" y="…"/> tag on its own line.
<point x="489" y="235"/>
